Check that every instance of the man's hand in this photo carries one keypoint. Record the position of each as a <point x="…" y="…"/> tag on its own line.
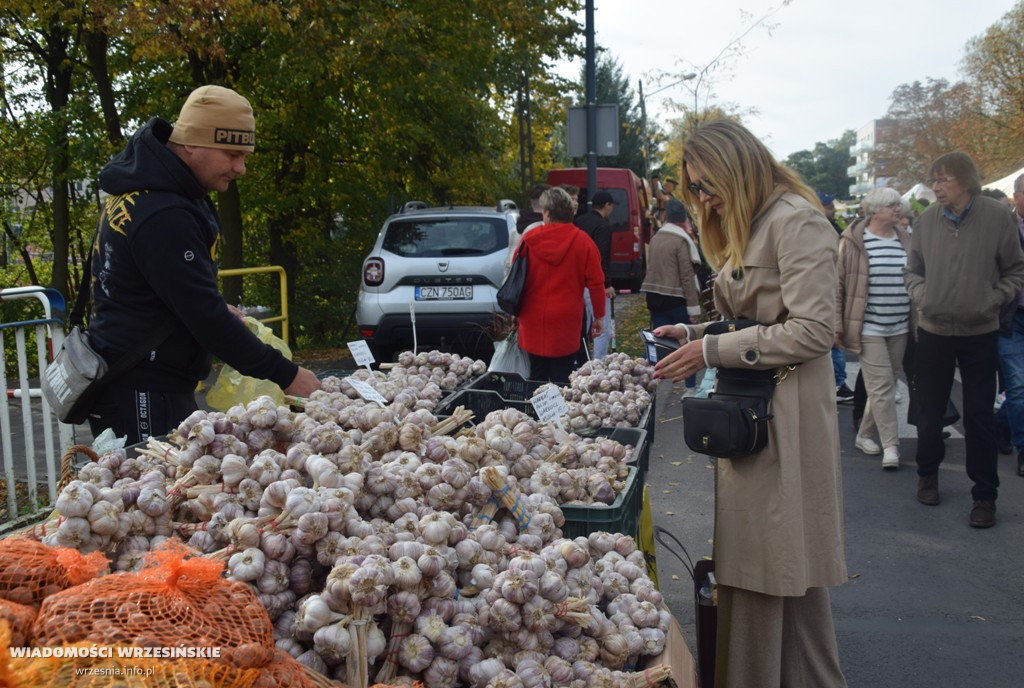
<point x="610" y="292"/>
<point x="597" y="329"/>
<point x="304" y="384"/>
<point x="236" y="312"/>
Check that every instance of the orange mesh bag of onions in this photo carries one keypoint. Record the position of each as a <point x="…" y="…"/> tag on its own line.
<point x="30" y="570"/>
<point x="283" y="670"/>
<point x="77" y="667"/>
<point x="175" y="600"/>
<point x="19" y="618"/>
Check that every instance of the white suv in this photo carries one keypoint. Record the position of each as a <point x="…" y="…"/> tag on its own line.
<point x="441" y="266"/>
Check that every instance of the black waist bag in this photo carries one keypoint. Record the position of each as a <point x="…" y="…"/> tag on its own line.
<point x="733" y="421"/>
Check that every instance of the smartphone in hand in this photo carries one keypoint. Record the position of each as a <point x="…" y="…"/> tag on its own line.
<point x="658" y="347"/>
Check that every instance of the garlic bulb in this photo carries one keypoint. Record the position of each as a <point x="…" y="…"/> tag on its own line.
<point x="455" y="642"/>
<point x="442" y="673"/>
<point x="482" y="672"/>
<point x="247" y="565"/>
<point x="416" y="653"/>
<point x="332" y="642"/>
<point x="74" y="500"/>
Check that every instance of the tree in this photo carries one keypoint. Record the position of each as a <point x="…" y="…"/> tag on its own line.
<point x="994" y="65"/>
<point x="824" y="167"/>
<point x="359" y="107"/>
<point x="926" y="117"/>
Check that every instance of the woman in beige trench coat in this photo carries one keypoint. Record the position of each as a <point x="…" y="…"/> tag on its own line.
<point x="778" y="541"/>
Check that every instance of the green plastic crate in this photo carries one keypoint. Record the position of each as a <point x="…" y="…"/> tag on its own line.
<point x="621" y="516"/>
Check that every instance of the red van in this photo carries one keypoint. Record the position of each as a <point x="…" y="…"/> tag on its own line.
<point x="631" y="224"/>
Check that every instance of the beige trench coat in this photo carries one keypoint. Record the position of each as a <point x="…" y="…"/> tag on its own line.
<point x="779" y="514"/>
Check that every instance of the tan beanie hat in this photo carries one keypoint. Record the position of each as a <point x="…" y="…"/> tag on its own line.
<point x="215" y="117"/>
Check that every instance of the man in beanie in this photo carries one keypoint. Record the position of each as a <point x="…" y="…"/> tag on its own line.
<point x="155" y="294"/>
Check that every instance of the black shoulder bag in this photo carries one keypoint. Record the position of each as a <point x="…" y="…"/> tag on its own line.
<point x="510" y="295"/>
<point x="733" y="421"/>
<point x="74" y="379"/>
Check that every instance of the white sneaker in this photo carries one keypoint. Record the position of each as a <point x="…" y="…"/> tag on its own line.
<point x="868" y="446"/>
<point x="891" y="458"/>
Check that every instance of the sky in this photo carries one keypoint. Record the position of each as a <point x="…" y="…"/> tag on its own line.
<point x="824" y="67"/>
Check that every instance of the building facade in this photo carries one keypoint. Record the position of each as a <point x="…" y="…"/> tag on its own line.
<point x="868" y="170"/>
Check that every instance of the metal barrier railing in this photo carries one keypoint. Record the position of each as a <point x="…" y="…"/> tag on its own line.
<point x="282" y="278"/>
<point x="22" y="478"/>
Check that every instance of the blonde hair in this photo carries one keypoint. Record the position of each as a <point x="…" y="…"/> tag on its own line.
<point x="741" y="171"/>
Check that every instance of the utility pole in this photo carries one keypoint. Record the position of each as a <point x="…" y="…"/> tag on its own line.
<point x="591" y="95"/>
<point x="643" y="132"/>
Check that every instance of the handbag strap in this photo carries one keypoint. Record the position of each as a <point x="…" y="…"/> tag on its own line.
<point x="131" y="358"/>
<point x="77" y="316"/>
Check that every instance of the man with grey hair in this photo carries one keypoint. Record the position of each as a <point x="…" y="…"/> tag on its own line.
<point x="1011" y="347"/>
<point x="965" y="262"/>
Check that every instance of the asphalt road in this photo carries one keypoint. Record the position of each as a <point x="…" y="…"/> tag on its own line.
<point x="930" y="601"/>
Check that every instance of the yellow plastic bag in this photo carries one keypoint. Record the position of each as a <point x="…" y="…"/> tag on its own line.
<point x="645" y="538"/>
<point x="233" y="388"/>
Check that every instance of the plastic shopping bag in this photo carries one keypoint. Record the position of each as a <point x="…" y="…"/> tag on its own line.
<point x="509" y="358"/>
<point x="233" y="388"/>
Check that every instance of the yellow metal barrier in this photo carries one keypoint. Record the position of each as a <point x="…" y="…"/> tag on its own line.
<point x="283" y="318"/>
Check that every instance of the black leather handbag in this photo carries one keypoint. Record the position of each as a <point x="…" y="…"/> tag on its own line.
<point x="510" y="295"/>
<point x="733" y="421"/>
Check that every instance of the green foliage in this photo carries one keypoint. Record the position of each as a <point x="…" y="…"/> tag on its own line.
<point x="360" y="106"/>
<point x="824" y="167"/>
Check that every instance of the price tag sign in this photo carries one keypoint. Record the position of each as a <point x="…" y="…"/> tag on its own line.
<point x="549" y="405"/>
<point x="361" y="354"/>
<point x="366" y="391"/>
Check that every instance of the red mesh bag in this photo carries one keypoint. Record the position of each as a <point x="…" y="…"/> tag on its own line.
<point x="175" y="600"/>
<point x="283" y="670"/>
<point x="19" y="618"/>
<point x="30" y="570"/>
<point x="112" y="671"/>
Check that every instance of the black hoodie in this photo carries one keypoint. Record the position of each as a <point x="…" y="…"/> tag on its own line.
<point x="154" y="261"/>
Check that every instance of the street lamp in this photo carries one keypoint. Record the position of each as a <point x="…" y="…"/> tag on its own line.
<point x="643" y="121"/>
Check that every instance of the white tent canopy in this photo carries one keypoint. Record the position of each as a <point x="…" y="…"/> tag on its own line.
<point x="920" y="191"/>
<point x="1005" y="184"/>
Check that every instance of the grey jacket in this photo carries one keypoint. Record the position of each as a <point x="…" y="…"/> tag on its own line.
<point x="959" y="277"/>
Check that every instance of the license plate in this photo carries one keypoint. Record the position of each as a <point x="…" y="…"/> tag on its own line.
<point x="444" y="293"/>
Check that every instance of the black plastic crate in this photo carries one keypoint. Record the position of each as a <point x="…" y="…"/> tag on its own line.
<point x="481" y="402"/>
<point x="639" y="439"/>
<point x="621" y="516"/>
<point x="509" y="385"/>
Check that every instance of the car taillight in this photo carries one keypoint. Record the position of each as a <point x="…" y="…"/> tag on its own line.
<point x="373" y="272"/>
<point x="366" y="332"/>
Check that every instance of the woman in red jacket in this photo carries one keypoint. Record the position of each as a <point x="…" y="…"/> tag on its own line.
<point x="562" y="261"/>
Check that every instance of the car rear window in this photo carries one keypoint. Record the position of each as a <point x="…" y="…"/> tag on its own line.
<point x="446" y="237"/>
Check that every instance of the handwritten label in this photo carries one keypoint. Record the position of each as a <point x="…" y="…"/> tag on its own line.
<point x="366" y="391"/>
<point x="361" y="353"/>
<point x="549" y="404"/>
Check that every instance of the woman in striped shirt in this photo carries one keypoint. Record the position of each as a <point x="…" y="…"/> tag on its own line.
<point x="874" y="313"/>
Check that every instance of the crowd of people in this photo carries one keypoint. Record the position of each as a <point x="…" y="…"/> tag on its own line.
<point x="930" y="291"/>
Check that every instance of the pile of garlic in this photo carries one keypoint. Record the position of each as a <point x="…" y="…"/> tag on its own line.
<point x="611" y="392"/>
<point x="347" y="508"/>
